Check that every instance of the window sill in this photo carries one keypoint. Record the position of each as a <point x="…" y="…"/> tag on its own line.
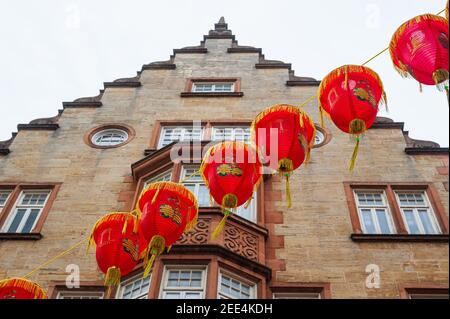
<point x="444" y="238"/>
<point x="212" y="94"/>
<point x="20" y="236"/>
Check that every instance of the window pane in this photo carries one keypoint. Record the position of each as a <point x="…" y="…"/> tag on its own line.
<point x="30" y="221"/>
<point x="410" y="220"/>
<point x="203" y="196"/>
<point x="368" y="221"/>
<point x="3" y="197"/>
<point x="383" y="221"/>
<point x="192" y="295"/>
<point x="173" y="295"/>
<point x="16" y="221"/>
<point x="425" y="218"/>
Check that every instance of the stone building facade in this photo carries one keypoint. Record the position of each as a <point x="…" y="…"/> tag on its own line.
<point x="387" y="220"/>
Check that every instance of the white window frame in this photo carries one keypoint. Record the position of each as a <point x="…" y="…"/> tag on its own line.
<point x="183" y="175"/>
<point x="109" y="131"/>
<point x="28" y="208"/>
<point x="223" y="295"/>
<point x="373" y="211"/>
<point x="132" y="281"/>
<point x="80" y="294"/>
<point x="297" y="295"/>
<point x="215" y="128"/>
<point x="158" y="178"/>
<point x="184" y="128"/>
<point x="213" y="87"/>
<point x="415" y="209"/>
<point x="183" y="290"/>
<point x="8" y="193"/>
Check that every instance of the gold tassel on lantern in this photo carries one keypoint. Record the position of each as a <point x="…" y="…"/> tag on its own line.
<point x="357" y="127"/>
<point x="221" y="225"/>
<point x="441" y="78"/>
<point x="288" y="191"/>
<point x="355" y="154"/>
<point x="155" y="248"/>
<point x="112" y="279"/>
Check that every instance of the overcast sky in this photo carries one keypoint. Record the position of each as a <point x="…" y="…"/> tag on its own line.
<point x="55" y="50"/>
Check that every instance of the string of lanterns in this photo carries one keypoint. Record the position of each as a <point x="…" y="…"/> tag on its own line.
<point x="350" y="96"/>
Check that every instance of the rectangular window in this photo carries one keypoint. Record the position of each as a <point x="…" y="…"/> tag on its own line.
<point x="417" y="213"/>
<point x="26" y="211"/>
<point x="294" y="295"/>
<point x="212" y="87"/>
<point x="4" y="195"/>
<point x="78" y="294"/>
<point x="184" y="283"/>
<point x="231" y="287"/>
<point x="134" y="288"/>
<point x="373" y="212"/>
<point x="196" y="185"/>
<point x="179" y="134"/>
<point x="163" y="177"/>
<point x="230" y="133"/>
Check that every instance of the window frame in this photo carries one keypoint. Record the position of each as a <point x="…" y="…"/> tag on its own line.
<point x="131" y="280"/>
<point x="8" y="195"/>
<point x="323" y="290"/>
<point x="109" y="131"/>
<point x="184" y="127"/>
<point x="18" y="205"/>
<point x="406" y="290"/>
<point x="433" y="218"/>
<point x="401" y="230"/>
<point x="213" y="86"/>
<point x="214" y="129"/>
<point x="373" y="209"/>
<point x="80" y="293"/>
<point x="242" y="280"/>
<point x="88" y="137"/>
<point x="204" y="277"/>
<point x="11" y="203"/>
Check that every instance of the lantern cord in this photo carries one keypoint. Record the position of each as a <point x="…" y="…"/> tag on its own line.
<point x="189" y="177"/>
<point x="55" y="258"/>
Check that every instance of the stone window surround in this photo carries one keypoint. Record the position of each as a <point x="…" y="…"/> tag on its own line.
<point x="401" y="231"/>
<point x="209" y="124"/>
<point x="323" y="289"/>
<point x="16" y="190"/>
<point x="407" y="289"/>
<point x="56" y="287"/>
<point x="118" y="126"/>
<point x="190" y="81"/>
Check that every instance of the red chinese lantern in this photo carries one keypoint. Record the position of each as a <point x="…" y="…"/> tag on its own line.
<point x="292" y="142"/>
<point x="351" y="95"/>
<point x="419" y="48"/>
<point x="118" y="245"/>
<point x="168" y="209"/>
<point x="19" y="288"/>
<point x="232" y="172"/>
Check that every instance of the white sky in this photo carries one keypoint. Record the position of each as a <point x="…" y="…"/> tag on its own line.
<point x="53" y="50"/>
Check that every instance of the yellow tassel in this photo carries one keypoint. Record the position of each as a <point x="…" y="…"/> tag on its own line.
<point x="112" y="279"/>
<point x="355" y="154"/>
<point x="357" y="127"/>
<point x="346" y="77"/>
<point x="441" y="78"/>
<point x="321" y="116"/>
<point x="155" y="248"/>
<point x="420" y="87"/>
<point x="288" y="191"/>
<point x="125" y="224"/>
<point x="221" y="225"/>
<point x="169" y="248"/>
<point x="156" y="195"/>
<point x="149" y="265"/>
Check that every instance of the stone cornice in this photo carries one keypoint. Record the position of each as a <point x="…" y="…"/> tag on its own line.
<point x="124" y="82"/>
<point x="85" y="102"/>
